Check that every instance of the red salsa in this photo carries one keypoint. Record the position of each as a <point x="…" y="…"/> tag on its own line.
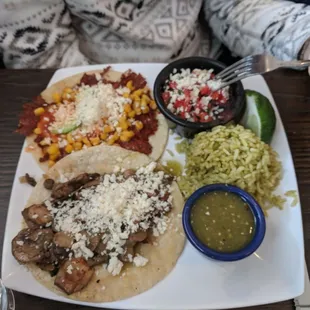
<point x="190" y="95"/>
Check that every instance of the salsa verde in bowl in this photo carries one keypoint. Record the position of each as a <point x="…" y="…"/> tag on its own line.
<point x="224" y="222"/>
<point x="184" y="92"/>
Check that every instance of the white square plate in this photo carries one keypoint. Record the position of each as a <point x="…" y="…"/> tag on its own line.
<point x="274" y="273"/>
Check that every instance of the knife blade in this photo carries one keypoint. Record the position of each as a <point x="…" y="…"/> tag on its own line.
<point x="302" y="302"/>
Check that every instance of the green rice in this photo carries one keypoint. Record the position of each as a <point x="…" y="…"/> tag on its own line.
<point x="236" y="156"/>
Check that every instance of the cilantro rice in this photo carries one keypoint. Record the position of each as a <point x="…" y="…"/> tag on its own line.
<point x="233" y="155"/>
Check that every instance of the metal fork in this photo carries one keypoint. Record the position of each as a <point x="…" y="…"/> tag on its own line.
<point x="256" y="64"/>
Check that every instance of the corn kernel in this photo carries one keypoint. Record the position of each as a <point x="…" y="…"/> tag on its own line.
<point x="127" y="108"/>
<point x="69" y="148"/>
<point x="37" y="131"/>
<point x="138" y="111"/>
<point x="136" y="98"/>
<point x="54" y="156"/>
<point x="86" y="141"/>
<point x="95" y="140"/>
<point x="51" y="163"/>
<point x="66" y="96"/>
<point x="53" y="149"/>
<point x="132" y="114"/>
<point x="78" y="138"/>
<point x="139" y="125"/>
<point x="130" y="85"/>
<point x="110" y="141"/>
<point x="115" y="136"/>
<point x="136" y="105"/>
<point x="38" y="111"/>
<point x="126" y="95"/>
<point x="68" y="90"/>
<point x="146" y="98"/>
<point x="138" y="92"/>
<point x="108" y="129"/>
<point x="56" y="97"/>
<point x="103" y="136"/>
<point x="143" y="103"/>
<point x="69" y="138"/>
<point x="123" y="125"/>
<point x="153" y="105"/>
<point x="77" y="145"/>
<point x="128" y="133"/>
<point x="145" y="110"/>
<point x="124" y="138"/>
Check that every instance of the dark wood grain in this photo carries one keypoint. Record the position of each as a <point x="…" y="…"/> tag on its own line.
<point x="291" y="91"/>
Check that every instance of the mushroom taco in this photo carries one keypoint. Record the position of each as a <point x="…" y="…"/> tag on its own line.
<point x="103" y="224"/>
<point x="91" y="108"/>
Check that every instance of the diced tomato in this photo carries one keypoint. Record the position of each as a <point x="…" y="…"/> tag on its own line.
<point x="166" y="96"/>
<point x="179" y="103"/>
<point x="215" y="95"/>
<point x="204" y="117"/>
<point x="187" y="93"/>
<point x="173" y="84"/>
<point x="205" y="91"/>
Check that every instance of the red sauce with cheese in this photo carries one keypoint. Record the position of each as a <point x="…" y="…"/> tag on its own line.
<point x="27" y="120"/>
<point x="140" y="142"/>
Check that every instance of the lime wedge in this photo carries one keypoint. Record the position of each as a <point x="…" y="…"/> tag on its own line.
<point x="259" y="115"/>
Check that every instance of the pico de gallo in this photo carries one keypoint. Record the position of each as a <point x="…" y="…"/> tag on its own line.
<point x="94" y="111"/>
<point x="190" y="95"/>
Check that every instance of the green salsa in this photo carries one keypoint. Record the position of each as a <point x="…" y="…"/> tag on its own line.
<point x="222" y="221"/>
<point x="173" y="167"/>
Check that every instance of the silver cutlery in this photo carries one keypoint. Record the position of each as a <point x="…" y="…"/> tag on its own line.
<point x="253" y="65"/>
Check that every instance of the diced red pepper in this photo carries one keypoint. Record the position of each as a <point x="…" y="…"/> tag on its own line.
<point x="173" y="85"/>
<point x="205" y="91"/>
<point x="166" y="96"/>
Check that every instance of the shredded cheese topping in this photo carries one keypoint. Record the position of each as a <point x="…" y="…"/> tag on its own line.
<point x="117" y="207"/>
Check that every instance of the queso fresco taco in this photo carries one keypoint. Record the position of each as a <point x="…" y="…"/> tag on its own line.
<point x="91" y="108"/>
<point x="103" y="225"/>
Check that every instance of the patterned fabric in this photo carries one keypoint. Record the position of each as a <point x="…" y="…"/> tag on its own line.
<point x="138" y="30"/>
<point x="256" y="26"/>
<point x="38" y="34"/>
<point x="58" y="33"/>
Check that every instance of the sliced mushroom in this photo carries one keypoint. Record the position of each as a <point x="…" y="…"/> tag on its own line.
<point x="30" y="245"/>
<point x="128" y="173"/>
<point x="63" y="240"/>
<point x="91" y="183"/>
<point x="37" y="215"/>
<point x="63" y="190"/>
<point x="92" y="240"/>
<point x="73" y="275"/>
<point x="101" y="247"/>
<point x="138" y="236"/>
<point x="128" y="255"/>
<point x="97" y="260"/>
<point x="49" y="184"/>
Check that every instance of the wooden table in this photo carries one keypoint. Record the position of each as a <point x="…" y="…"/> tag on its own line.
<point x="291" y="91"/>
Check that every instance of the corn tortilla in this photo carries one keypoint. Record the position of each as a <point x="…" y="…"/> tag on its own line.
<point x="158" y="140"/>
<point x="162" y="255"/>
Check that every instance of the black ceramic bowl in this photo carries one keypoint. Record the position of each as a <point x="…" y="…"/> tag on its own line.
<point x="189" y="129"/>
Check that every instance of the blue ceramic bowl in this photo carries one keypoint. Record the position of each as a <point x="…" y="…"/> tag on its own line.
<point x="259" y="218"/>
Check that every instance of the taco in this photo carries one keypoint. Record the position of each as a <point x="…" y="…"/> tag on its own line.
<point x="88" y="109"/>
<point x="103" y="224"/>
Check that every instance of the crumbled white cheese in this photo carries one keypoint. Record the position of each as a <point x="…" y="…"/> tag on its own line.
<point x="115" y="266"/>
<point x="104" y="209"/>
<point x="69" y="269"/>
<point x="35" y="216"/>
<point x="20" y="243"/>
<point x="140" y="261"/>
